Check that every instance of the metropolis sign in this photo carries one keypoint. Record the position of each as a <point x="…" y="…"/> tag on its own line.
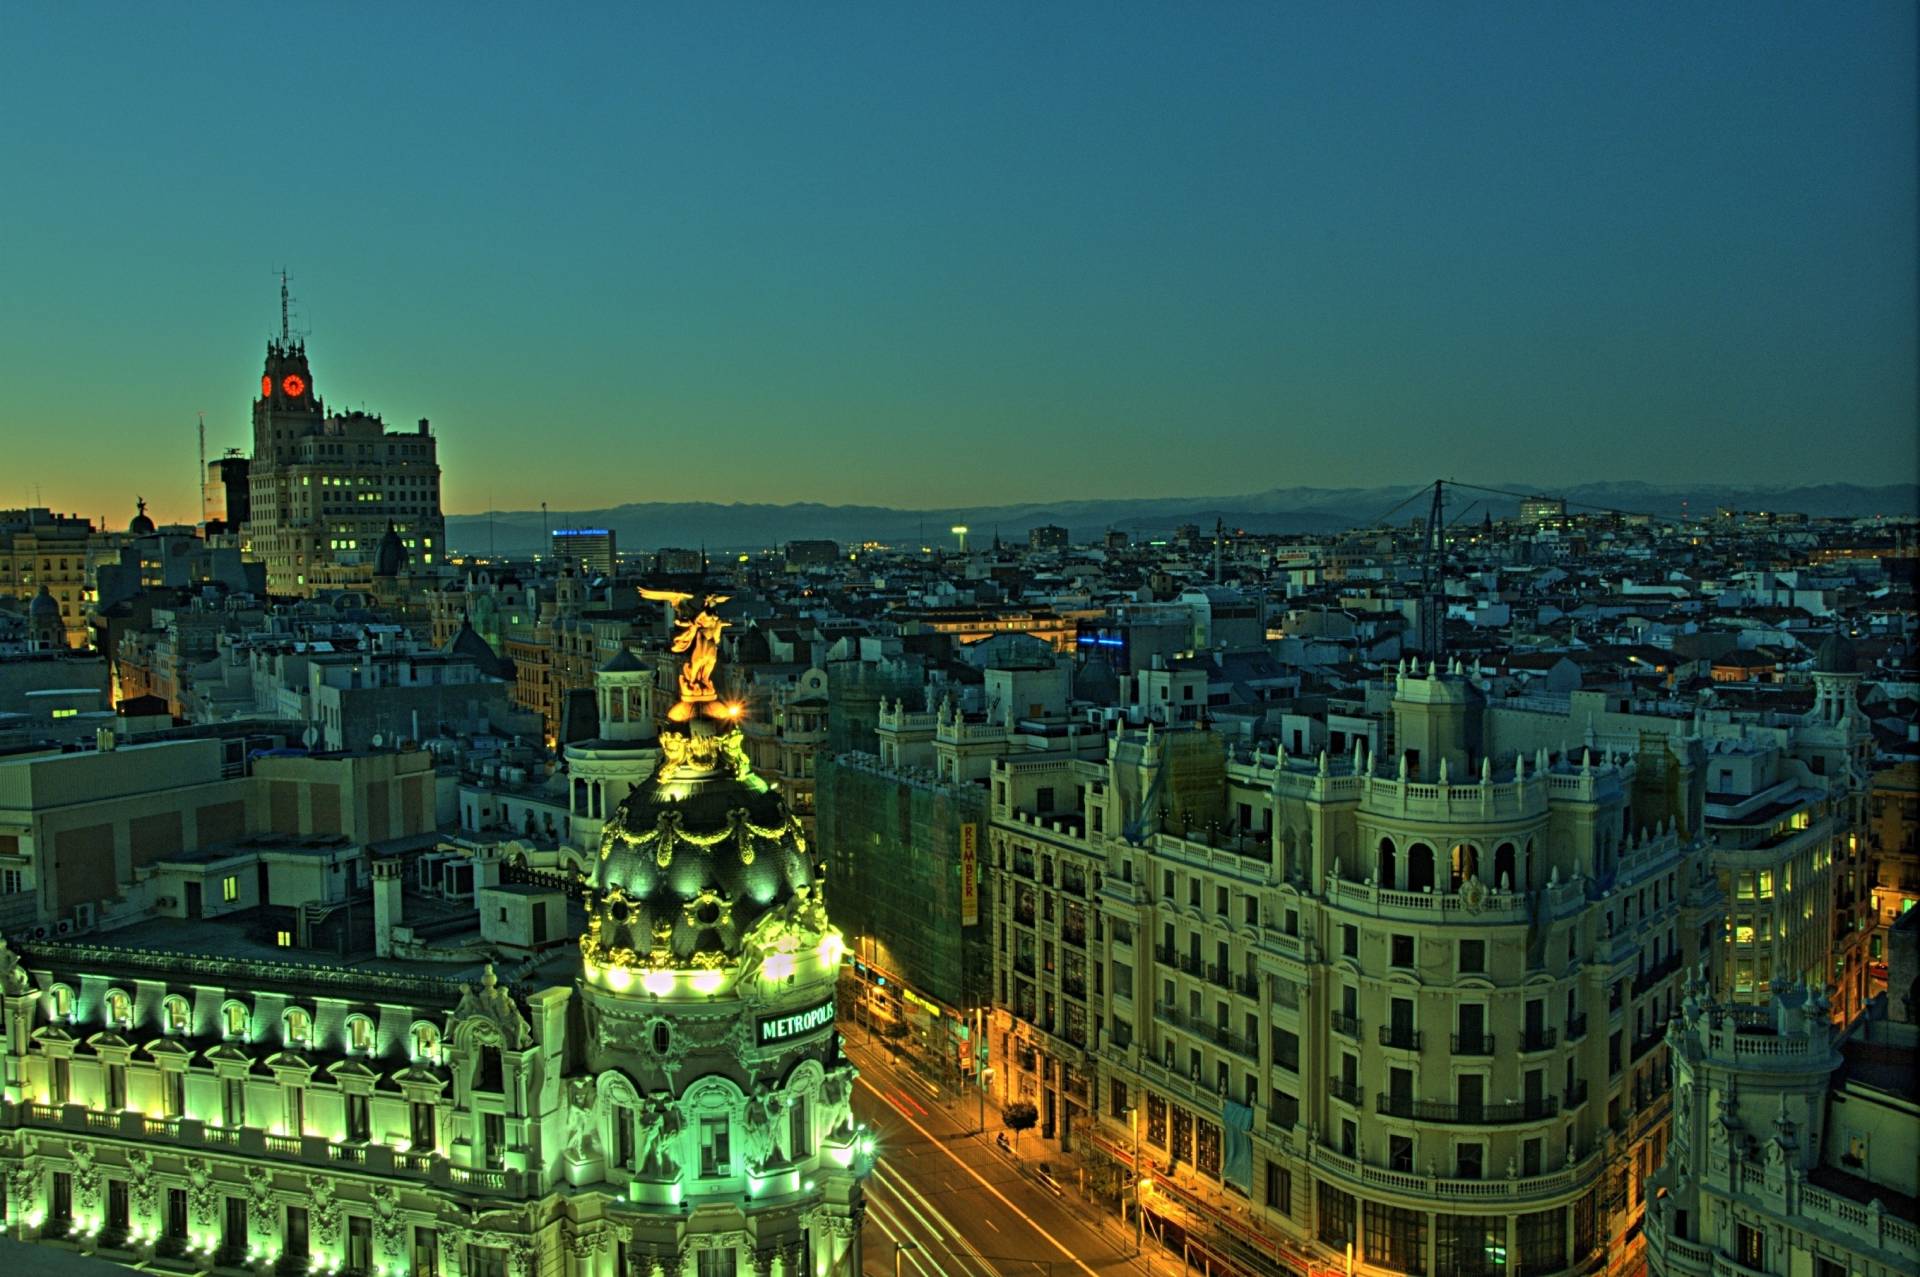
<point x="794" y="1024"/>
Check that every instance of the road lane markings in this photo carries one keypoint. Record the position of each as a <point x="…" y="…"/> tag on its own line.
<point x="940" y="1226"/>
<point x="1032" y="1223"/>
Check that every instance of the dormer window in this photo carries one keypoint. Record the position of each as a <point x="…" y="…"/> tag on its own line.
<point x="175" y="1015"/>
<point x="426" y="1042"/>
<point x="359" y="1035"/>
<point x="298" y="1026"/>
<point x="119" y="1009"/>
<point x="62" y="1002"/>
<point x="233" y="1021"/>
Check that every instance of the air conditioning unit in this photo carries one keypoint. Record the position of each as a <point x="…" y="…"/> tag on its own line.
<point x="64" y="927"/>
<point x="39" y="933"/>
<point x="166" y="902"/>
<point x="85" y="916"/>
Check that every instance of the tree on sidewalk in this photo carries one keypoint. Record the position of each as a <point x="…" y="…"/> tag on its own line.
<point x="1019" y="1116"/>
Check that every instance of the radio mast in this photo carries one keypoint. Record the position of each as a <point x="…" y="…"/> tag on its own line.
<point x="203" y="472"/>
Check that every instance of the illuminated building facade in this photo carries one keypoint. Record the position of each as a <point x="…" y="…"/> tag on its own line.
<point x="1416" y="1008"/>
<point x="323" y="488"/>
<point x="586" y="549"/>
<point x="666" y="1099"/>
<point x="44" y="555"/>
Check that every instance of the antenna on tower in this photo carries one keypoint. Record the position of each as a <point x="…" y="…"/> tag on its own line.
<point x="203" y="471"/>
<point x="285" y="328"/>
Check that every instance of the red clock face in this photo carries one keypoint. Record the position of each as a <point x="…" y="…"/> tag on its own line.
<point x="295" y="385"/>
<point x="266" y="387"/>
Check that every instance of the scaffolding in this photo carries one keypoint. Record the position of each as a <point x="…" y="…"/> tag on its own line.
<point x="892" y="838"/>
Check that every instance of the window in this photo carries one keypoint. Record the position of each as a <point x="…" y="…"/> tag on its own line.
<point x="283" y="938"/>
<point x="1336" y="1216"/>
<point x="230" y="888"/>
<point x="119" y="1009"/>
<point x="1750" y="1247"/>
<point x="1349" y="940"/>
<point x="59" y="1080"/>
<point x="233" y="1020"/>
<point x="298" y="1026"/>
<point x="359" y="1034"/>
<point x="116" y="1087"/>
<point x="1396" y="1238"/>
<point x="1473" y="957"/>
<point x="718" y="1261"/>
<point x="296" y="1109"/>
<point x="1402" y="954"/>
<point x="1279" y="1189"/>
<point x="422" y="1126"/>
<point x="1286" y="1050"/>
<point x="359" y="1121"/>
<point x="1400" y="1152"/>
<point x="1467" y="1160"/>
<point x="233" y="1102"/>
<point x="62" y="1002"/>
<point x="716" y="1153"/>
<point x="174" y="1014"/>
<point x="1542" y="1233"/>
<point x="426" y="1042"/>
<point x="799" y="1130"/>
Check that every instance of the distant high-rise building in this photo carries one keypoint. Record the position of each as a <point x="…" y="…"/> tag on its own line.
<point x="1542" y="512"/>
<point x="324" y="487"/>
<point x="592" y="549"/>
<point x="677" y="561"/>
<point x="1050" y="536"/>
<point x="812" y="554"/>
<point x="228" y="499"/>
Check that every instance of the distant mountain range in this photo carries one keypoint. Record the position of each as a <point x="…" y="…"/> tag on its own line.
<point x="648" y="525"/>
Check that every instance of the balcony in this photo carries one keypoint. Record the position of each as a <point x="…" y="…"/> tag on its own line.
<point x="1165" y="956"/>
<point x="1577" y="1027"/>
<point x="1468" y="1114"/>
<point x="1653" y="1038"/>
<point x="1247" y="986"/>
<point x="1399" y="1037"/>
<point x="1347" y="1026"/>
<point x="1473" y="1044"/>
<point x="1345" y="1092"/>
<point x="1540" y="1039"/>
<point x="1655" y="973"/>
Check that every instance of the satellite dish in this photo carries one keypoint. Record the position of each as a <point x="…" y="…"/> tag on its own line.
<point x="309" y="736"/>
<point x="378" y="740"/>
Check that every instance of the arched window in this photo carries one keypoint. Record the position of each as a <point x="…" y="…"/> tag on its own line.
<point x="1506" y="870"/>
<point x="359" y="1035"/>
<point x="1420" y="867"/>
<point x="62" y="1002"/>
<point x="175" y="1014"/>
<point x="1384" y="874"/>
<point x="119" y="1009"/>
<point x="233" y="1021"/>
<point x="296" y="1027"/>
<point x="425" y="1041"/>
<point x="1465" y="863"/>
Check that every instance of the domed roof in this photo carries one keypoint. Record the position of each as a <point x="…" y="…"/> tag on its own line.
<point x="43" y="605"/>
<point x="694" y="857"/>
<point x="1836" y="656"/>
<point x="391" y="556"/>
<point x="140" y="525"/>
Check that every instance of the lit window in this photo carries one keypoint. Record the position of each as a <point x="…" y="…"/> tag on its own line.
<point x="62" y="1002"/>
<point x="119" y="1009"/>
<point x="233" y="1018"/>
<point x="230" y="888"/>
<point x="65" y="713"/>
<point x="299" y="1026"/>
<point x="283" y="938"/>
<point x="359" y="1033"/>
<point x="176" y="1014"/>
<point x="426" y="1041"/>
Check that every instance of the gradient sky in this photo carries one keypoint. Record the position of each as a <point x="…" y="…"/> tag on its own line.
<point x="919" y="255"/>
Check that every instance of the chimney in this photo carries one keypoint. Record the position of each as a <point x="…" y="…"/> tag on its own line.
<point x="423" y="425"/>
<point x="386" y="905"/>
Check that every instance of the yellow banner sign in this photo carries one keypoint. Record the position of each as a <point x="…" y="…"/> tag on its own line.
<point x="969" y="875"/>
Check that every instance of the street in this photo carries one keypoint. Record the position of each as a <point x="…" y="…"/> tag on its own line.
<point x="960" y="1206"/>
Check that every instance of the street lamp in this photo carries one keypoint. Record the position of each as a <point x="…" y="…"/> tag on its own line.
<point x="900" y="1248"/>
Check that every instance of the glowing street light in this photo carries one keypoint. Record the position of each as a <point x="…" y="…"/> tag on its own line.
<point x="960" y="530"/>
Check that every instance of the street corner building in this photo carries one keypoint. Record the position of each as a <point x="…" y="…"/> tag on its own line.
<point x="666" y="1099"/>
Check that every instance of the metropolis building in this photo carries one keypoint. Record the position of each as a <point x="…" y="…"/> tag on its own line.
<point x="660" y="1095"/>
<point x="1405" y="1008"/>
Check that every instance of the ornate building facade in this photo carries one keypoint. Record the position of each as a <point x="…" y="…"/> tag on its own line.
<point x="1414" y="1007"/>
<point x="324" y="488"/>
<point x="664" y="1097"/>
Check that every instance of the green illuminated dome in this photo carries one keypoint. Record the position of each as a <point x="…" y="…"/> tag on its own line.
<point x="693" y="858"/>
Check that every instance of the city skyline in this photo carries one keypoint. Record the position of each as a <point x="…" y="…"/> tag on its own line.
<point x="937" y="245"/>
